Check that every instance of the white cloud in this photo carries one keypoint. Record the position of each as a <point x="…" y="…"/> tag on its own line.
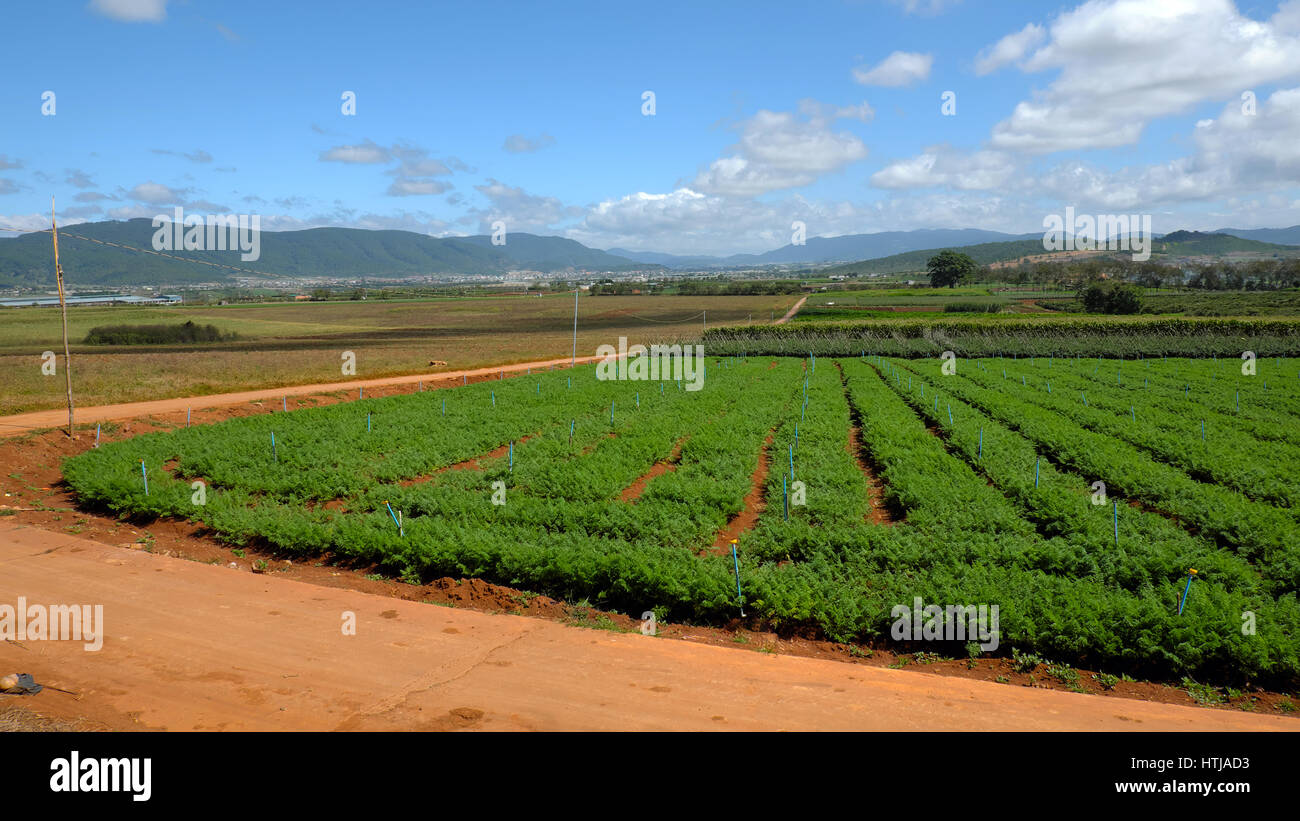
<point x="132" y="11"/>
<point x="1009" y="49"/>
<point x="5" y="162"/>
<point x="943" y="166"/>
<point x="1124" y="63"/>
<point x="519" y="144"/>
<point x="518" y="209"/>
<point x="902" y="68"/>
<point x="776" y="151"/>
<point x="366" y="153"/>
<point x="156" y="193"/>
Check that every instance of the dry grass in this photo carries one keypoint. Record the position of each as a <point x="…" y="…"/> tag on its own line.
<point x="16" y="718"/>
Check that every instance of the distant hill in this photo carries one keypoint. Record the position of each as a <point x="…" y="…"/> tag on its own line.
<point x="1281" y="236"/>
<point x="1193" y="243"/>
<point x="983" y="253"/>
<point x="539" y="253"/>
<point x="339" y="252"/>
<point x="847" y="248"/>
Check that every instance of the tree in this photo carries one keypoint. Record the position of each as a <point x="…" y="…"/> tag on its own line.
<point x="1111" y="298"/>
<point x="947" y="268"/>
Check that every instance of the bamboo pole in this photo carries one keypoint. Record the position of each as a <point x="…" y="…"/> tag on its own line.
<point x="63" y="308"/>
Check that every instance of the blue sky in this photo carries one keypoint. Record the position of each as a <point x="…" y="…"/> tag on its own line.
<point x="765" y="113"/>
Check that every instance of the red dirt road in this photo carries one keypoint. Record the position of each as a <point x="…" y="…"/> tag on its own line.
<point x="190" y="646"/>
<point x="37" y="420"/>
<point x="794" y="309"/>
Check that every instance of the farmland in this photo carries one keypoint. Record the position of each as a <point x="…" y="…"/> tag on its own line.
<point x="973" y="488"/>
<point x="295" y="344"/>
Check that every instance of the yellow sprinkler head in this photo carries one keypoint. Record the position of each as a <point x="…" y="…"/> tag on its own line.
<point x="1193" y="571"/>
<point x="733" y="541"/>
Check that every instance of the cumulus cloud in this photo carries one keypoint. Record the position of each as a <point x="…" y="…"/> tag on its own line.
<point x="132" y="11"/>
<point x="1124" y="63"/>
<point x="518" y="209"/>
<point x="1009" y="49"/>
<point x="365" y="153"/>
<point x="778" y="150"/>
<point x="519" y="144"/>
<point x="925" y="7"/>
<point x="944" y="166"/>
<point x="902" y="68"/>
<point x="5" y="162"/>
<point x="156" y="193"/>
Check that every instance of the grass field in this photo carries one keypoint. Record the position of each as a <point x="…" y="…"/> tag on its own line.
<point x="288" y="344"/>
<point x="976" y="488"/>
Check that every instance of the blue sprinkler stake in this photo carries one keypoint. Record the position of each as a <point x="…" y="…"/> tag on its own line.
<point x="611" y="412"/>
<point x="950" y="414"/>
<point x="980" y="455"/>
<point x="792" y="461"/>
<point x="735" y="561"/>
<point x="494" y="398"/>
<point x="396" y="521"/>
<point x="145" y="474"/>
<point x="187" y="417"/>
<point x="96" y="435"/>
<point x="284" y="404"/>
<point x="444" y="407"/>
<point x="796" y="434"/>
<point x="1202" y="430"/>
<point x="785" y="499"/>
<point x="274" y="457"/>
<point x="1132" y="413"/>
<point x="512" y="457"/>
<point x="1037" y="459"/>
<point x="367" y="422"/>
<point x="361" y="392"/>
<point x="571" y="422"/>
<point x="1191" y="574"/>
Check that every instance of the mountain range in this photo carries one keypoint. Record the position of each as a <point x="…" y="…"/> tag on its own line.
<point x="25" y="261"/>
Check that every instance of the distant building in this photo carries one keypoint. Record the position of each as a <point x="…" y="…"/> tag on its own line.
<point x="92" y="299"/>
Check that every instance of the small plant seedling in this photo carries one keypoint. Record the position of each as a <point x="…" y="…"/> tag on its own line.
<point x="239" y="553"/>
<point x="1106" y="680"/>
<point x="375" y="577"/>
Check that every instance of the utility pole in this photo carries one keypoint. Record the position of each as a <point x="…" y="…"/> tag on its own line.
<point x="63" y="307"/>
<point x="574" y="362"/>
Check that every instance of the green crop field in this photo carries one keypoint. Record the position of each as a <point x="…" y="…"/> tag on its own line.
<point x="975" y="488"/>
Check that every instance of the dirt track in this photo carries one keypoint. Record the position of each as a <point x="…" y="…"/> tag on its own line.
<point x="794" y="309"/>
<point x="27" y="422"/>
<point x="190" y="646"/>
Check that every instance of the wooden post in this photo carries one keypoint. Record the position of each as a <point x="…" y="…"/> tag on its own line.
<point x="63" y="308"/>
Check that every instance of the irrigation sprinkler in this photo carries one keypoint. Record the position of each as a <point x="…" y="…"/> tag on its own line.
<point x="735" y="562"/>
<point x="611" y="411"/>
<point x="145" y="474"/>
<point x="792" y="461"/>
<point x="367" y="421"/>
<point x="1085" y="398"/>
<point x="950" y="414"/>
<point x="571" y="423"/>
<point x="396" y="521"/>
<point x="796" y="434"/>
<point x="638" y="400"/>
<point x="444" y="407"/>
<point x="274" y="457"/>
<point x="1132" y="413"/>
<point x="1191" y="574"/>
<point x="284" y="404"/>
<point x="980" y="453"/>
<point x="187" y="417"/>
<point x="1202" y="430"/>
<point x="785" y="498"/>
<point x="361" y="392"/>
<point x="511" y="469"/>
<point x="1037" y="459"/>
<point x="494" y="398"/>
<point x="97" y="435"/>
